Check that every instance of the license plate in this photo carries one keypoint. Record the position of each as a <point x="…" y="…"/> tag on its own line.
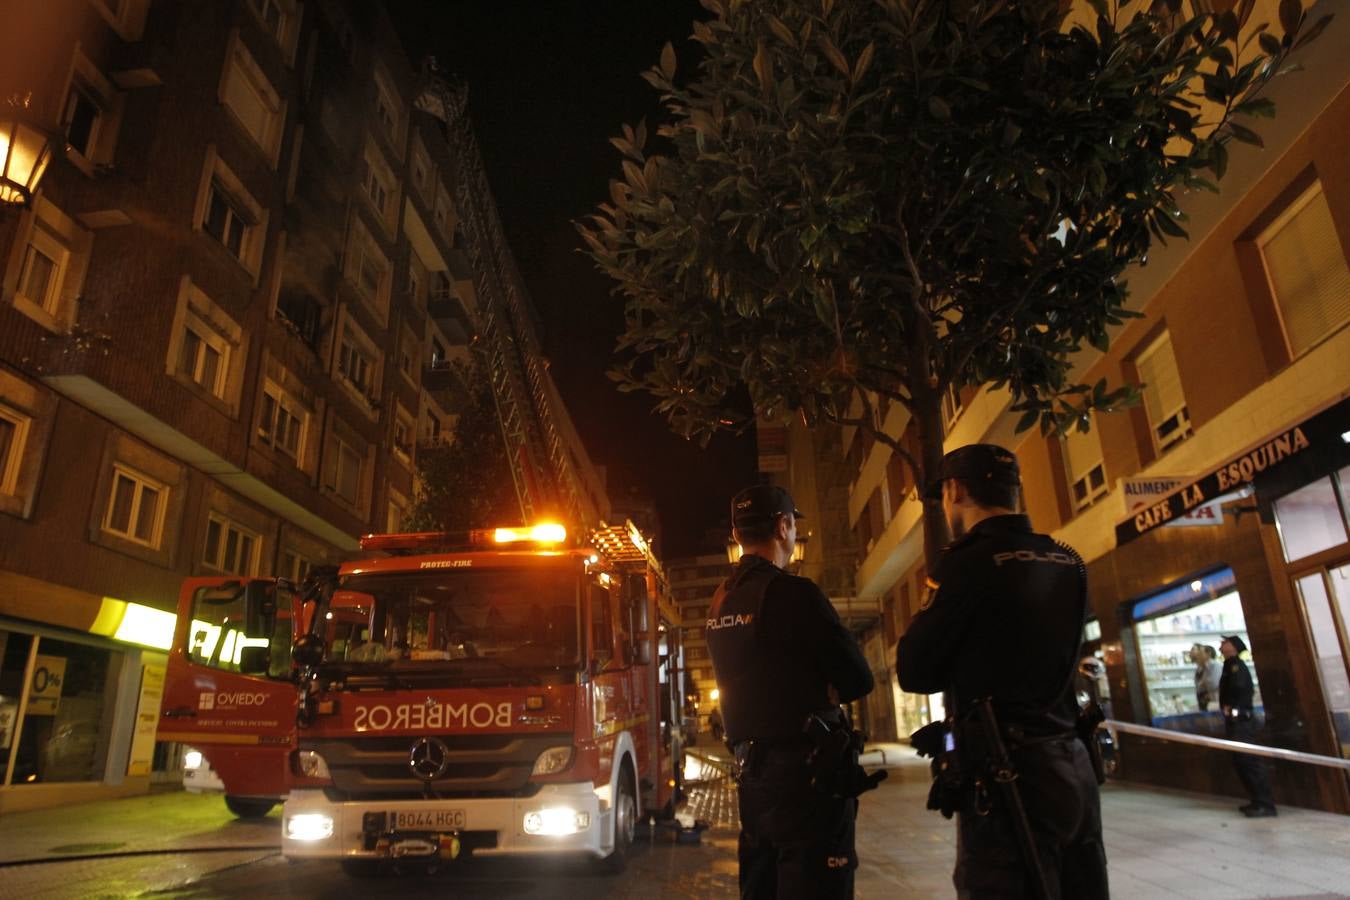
<point x="429" y="820"/>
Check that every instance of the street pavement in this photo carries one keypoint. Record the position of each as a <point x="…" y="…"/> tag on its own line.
<point x="1161" y="844"/>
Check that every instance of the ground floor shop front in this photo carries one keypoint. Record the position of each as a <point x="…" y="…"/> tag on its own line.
<point x="79" y="705"/>
<point x="1271" y="567"/>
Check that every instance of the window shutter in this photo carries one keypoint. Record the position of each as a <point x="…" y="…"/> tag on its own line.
<point x="1162" y="382"/>
<point x="1082" y="451"/>
<point x="1307" y="271"/>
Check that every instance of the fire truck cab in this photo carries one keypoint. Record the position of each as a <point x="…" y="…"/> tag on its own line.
<point x="499" y="692"/>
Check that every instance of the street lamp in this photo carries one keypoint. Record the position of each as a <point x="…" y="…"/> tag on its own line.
<point x="26" y="149"/>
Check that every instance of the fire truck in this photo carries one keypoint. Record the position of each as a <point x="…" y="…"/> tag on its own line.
<point x="502" y="691"/>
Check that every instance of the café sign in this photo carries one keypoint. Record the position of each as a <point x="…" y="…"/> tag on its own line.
<point x="1328" y="425"/>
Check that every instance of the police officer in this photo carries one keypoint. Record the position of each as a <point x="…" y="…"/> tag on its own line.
<point x="1236" y="694"/>
<point x="1003" y="621"/>
<point x="781" y="655"/>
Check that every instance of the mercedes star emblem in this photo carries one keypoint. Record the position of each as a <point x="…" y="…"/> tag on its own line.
<point x="429" y="758"/>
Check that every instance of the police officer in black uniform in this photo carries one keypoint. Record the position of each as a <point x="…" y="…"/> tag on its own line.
<point x="1236" y="693"/>
<point x="1003" y="622"/>
<point x="781" y="656"/>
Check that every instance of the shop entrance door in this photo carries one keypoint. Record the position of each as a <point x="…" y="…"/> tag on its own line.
<point x="1325" y="595"/>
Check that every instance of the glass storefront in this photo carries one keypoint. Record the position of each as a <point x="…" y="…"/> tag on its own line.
<point x="67" y="693"/>
<point x="1314" y="520"/>
<point x="1179" y="630"/>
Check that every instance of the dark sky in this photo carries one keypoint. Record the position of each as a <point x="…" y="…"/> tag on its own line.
<point x="550" y="81"/>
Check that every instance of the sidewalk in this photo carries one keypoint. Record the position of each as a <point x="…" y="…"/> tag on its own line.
<point x="152" y="822"/>
<point x="1160" y="844"/>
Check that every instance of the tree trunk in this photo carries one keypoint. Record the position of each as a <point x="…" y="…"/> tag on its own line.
<point x="928" y="419"/>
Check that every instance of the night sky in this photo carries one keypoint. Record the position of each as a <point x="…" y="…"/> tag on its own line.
<point x="550" y="81"/>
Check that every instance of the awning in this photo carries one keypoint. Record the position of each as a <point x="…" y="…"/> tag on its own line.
<point x="1326" y="429"/>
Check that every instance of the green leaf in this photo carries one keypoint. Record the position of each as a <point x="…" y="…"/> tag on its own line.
<point x="1291" y="15"/>
<point x="1218" y="160"/>
<point x="1259" y="106"/>
<point x="1314" y="32"/>
<point x="1270" y="44"/>
<point x="668" y="61"/>
<point x="864" y="61"/>
<point x="763" y="67"/>
<point x="1026" y="420"/>
<point x="1246" y="135"/>
<point x="833" y="54"/>
<point x="938" y="108"/>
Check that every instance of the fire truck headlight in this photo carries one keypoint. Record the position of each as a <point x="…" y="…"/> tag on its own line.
<point x="552" y="761"/>
<point x="311" y="765"/>
<point x="192" y="760"/>
<point x="556" y="820"/>
<point x="309" y="827"/>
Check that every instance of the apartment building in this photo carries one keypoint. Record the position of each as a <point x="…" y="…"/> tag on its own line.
<point x="693" y="581"/>
<point x="1219" y="505"/>
<point x="228" y="319"/>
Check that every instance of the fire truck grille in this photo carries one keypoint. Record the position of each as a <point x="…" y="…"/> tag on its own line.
<point x="486" y="765"/>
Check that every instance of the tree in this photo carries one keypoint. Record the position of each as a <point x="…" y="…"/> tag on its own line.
<point x="859" y="199"/>
<point x="464" y="482"/>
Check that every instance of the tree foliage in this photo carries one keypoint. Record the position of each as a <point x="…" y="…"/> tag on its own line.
<point x="464" y="482"/>
<point x="852" y="199"/>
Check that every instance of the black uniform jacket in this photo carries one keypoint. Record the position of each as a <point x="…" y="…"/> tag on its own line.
<point x="1235" y="685"/>
<point x="1003" y="619"/>
<point x="777" y="645"/>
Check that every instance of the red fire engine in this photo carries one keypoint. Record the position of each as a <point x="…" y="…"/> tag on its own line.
<point x="497" y="692"/>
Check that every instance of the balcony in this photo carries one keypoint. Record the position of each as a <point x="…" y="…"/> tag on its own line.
<point x="449" y="314"/>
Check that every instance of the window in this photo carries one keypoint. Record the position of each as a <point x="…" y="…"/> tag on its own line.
<point x="13" y="436"/>
<point x="205" y="357"/>
<point x="303" y="313"/>
<point x="216" y="637"/>
<point x="379" y="186"/>
<point x="442" y="212"/>
<point x="90" y="116"/>
<point x="439" y="360"/>
<point x="43" y="269"/>
<point x="1307" y="270"/>
<point x="417" y="279"/>
<point x="206" y="351"/>
<point x="1164" y="402"/>
<point x="388" y="109"/>
<point x="47" y="266"/>
<point x="441" y="288"/>
<point x="282" y="423"/>
<point x="421" y="168"/>
<point x="256" y="105"/>
<point x="279" y="19"/>
<point x="294" y="566"/>
<point x="432" y="430"/>
<point x="81" y="121"/>
<point x="367" y="269"/>
<point x="342" y="471"/>
<point x="1083" y="461"/>
<point x="230" y="547"/>
<point x="225" y="221"/>
<point x="395" y="516"/>
<point x="407" y="355"/>
<point x="602" y="626"/>
<point x="357" y="361"/>
<point x="952" y="406"/>
<point x="403" y="434"/>
<point x="135" y="507"/>
<point x="227" y="212"/>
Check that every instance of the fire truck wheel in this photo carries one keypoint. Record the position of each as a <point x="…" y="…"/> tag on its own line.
<point x="625" y="822"/>
<point x="249" y="807"/>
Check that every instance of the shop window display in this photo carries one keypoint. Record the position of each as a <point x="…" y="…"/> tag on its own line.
<point x="1173" y="627"/>
<point x="66" y="727"/>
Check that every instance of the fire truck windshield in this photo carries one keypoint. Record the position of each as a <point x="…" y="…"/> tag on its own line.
<point x="469" y="619"/>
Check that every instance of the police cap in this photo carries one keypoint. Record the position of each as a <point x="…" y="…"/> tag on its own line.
<point x="975" y="463"/>
<point x="761" y="504"/>
<point x="1238" y="643"/>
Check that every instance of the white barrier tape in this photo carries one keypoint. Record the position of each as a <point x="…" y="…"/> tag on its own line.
<point x="1199" y="740"/>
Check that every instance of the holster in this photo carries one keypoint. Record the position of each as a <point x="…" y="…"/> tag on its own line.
<point x="1089" y="717"/>
<point x="833" y="759"/>
<point x="936" y="741"/>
